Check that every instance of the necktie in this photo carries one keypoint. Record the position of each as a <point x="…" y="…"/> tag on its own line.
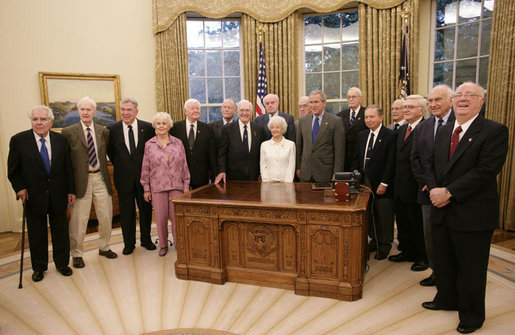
<point x="396" y="127"/>
<point x="316" y="126"/>
<point x="369" y="150"/>
<point x="455" y="139"/>
<point x="407" y="133"/>
<point x="91" y="150"/>
<point x="440" y="123"/>
<point x="245" y="139"/>
<point x="44" y="155"/>
<point x="191" y="136"/>
<point x="352" y="117"/>
<point x="132" y="143"/>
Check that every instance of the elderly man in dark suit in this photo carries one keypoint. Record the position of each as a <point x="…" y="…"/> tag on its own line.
<point x="408" y="211"/>
<point x="228" y="111"/>
<point x="320" y="142"/>
<point x="40" y="172"/>
<point x="353" y="122"/>
<point x="88" y="145"/>
<point x="468" y="155"/>
<point x="375" y="159"/>
<point x="397" y="114"/>
<point x="440" y="103"/>
<point x="197" y="138"/>
<point x="238" y="157"/>
<point x="127" y="140"/>
<point x="271" y="102"/>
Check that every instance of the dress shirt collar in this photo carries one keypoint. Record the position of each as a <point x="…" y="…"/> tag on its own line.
<point x="134" y="126"/>
<point x="272" y="115"/>
<point x="415" y="124"/>
<point x="464" y="126"/>
<point x="400" y="123"/>
<point x="84" y="127"/>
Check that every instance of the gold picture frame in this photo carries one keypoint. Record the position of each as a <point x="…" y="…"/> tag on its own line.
<point x="61" y="91"/>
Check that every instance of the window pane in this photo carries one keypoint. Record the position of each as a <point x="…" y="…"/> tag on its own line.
<point x="195" y="33"/>
<point x="196" y="63"/>
<point x="231" y="34"/>
<point x="213" y="34"/>
<point x="442" y="74"/>
<point x="485" y="37"/>
<point x="312" y="29"/>
<point x="470" y="10"/>
<point x="467" y="40"/>
<point x="483" y="71"/>
<point x="488" y="8"/>
<point x="335" y="107"/>
<point x="198" y="89"/>
<point x="313" y="82"/>
<point x="444" y="44"/>
<point x="231" y="63"/>
<point x="214" y="90"/>
<point x="313" y="59"/>
<point x="332" y="28"/>
<point x="332" y="57"/>
<point x="350" y="56"/>
<point x="233" y="88"/>
<point x="349" y="79"/>
<point x="214" y="63"/>
<point x="465" y="71"/>
<point x="445" y="12"/>
<point x="350" y="30"/>
<point x="332" y="85"/>
<point x="203" y="114"/>
<point x="349" y="18"/>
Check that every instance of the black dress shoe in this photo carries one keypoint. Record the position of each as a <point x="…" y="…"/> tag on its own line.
<point x="78" y="262"/>
<point x="64" y="270"/>
<point x="380" y="255"/>
<point x="127" y="250"/>
<point x="429" y="281"/>
<point x="419" y="266"/>
<point x="149" y="246"/>
<point x="372" y="246"/>
<point x="108" y="253"/>
<point x="37" y="276"/>
<point x="431" y="305"/>
<point x="466" y="329"/>
<point x="398" y="258"/>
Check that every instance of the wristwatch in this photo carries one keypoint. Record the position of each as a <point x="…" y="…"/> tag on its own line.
<point x="447" y="193"/>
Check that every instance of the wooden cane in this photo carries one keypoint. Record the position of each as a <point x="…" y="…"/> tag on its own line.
<point x="22" y="247"/>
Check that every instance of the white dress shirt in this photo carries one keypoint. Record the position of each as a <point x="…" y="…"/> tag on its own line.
<point x="188" y="126"/>
<point x="47" y="144"/>
<point x="92" y="127"/>
<point x="277" y="160"/>
<point x="248" y="132"/>
<point x="126" y="134"/>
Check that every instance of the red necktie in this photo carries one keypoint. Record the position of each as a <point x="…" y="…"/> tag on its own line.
<point x="407" y="133"/>
<point x="455" y="139"/>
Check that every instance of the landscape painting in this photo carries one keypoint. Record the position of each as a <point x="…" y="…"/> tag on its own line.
<point x="61" y="91"/>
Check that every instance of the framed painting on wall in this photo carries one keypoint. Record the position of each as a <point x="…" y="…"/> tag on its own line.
<point x="61" y="91"/>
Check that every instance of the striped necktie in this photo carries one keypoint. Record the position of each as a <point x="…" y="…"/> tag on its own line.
<point x="91" y="150"/>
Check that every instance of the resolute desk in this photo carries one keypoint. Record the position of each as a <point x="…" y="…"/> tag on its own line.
<point x="282" y="235"/>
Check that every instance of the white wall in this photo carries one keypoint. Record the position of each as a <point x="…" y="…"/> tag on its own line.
<point x="93" y="36"/>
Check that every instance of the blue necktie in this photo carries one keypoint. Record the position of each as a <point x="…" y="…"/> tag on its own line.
<point x="44" y="155"/>
<point x="315" y="129"/>
<point x="352" y="117"/>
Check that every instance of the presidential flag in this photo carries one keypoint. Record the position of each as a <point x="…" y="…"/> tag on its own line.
<point x="262" y="87"/>
<point x="404" y="79"/>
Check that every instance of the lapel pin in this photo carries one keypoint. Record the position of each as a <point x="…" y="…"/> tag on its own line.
<point x="379" y="140"/>
<point x="470" y="139"/>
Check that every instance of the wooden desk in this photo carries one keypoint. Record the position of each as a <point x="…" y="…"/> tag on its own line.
<point x="273" y="234"/>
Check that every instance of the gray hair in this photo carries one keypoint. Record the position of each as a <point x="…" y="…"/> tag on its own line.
<point x="421" y="100"/>
<point x="190" y="101"/>
<point x="271" y="95"/>
<point x="323" y="96"/>
<point x="357" y="89"/>
<point x="162" y="116"/>
<point x="449" y="92"/>
<point x="478" y="87"/>
<point x="131" y="100"/>
<point x="87" y="100"/>
<point x="278" y="120"/>
<point x="245" y="102"/>
<point x="41" y="107"/>
<point x="379" y="109"/>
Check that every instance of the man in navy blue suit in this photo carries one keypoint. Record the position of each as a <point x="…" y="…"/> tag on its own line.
<point x="271" y="102"/>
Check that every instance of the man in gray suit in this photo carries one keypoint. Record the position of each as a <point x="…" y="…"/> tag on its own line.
<point x="88" y="145"/>
<point x="320" y="142"/>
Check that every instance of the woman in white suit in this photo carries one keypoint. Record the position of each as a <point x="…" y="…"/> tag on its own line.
<point x="277" y="157"/>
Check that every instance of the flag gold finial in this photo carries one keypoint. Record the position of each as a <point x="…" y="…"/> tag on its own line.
<point x="260" y="30"/>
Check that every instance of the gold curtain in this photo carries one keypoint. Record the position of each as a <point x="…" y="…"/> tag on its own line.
<point x="500" y="104"/>
<point x="172" y="88"/>
<point x="380" y="41"/>
<point x="280" y="50"/>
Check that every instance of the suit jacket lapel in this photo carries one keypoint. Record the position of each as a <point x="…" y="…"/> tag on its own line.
<point x="323" y="127"/>
<point x="467" y="139"/>
<point x="34" y="147"/>
<point x="80" y="133"/>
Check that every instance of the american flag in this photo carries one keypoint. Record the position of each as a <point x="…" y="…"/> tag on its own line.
<point x="404" y="83"/>
<point x="262" y="87"/>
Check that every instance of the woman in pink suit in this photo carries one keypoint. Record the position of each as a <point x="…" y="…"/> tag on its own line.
<point x="164" y="174"/>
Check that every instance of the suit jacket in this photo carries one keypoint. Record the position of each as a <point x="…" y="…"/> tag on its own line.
<point x="232" y="158"/>
<point x="80" y="158"/>
<point x="321" y="160"/>
<point x="351" y="132"/>
<point x="262" y="120"/>
<point x="127" y="167"/>
<point x="406" y="186"/>
<point x="216" y="126"/>
<point x="202" y="158"/>
<point x="470" y="175"/>
<point x="381" y="166"/>
<point x="47" y="191"/>
<point x="422" y="148"/>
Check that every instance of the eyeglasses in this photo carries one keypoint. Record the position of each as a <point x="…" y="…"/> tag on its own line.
<point x="410" y="107"/>
<point x="468" y="95"/>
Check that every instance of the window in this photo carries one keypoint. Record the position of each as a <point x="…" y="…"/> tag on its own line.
<point x="462" y="41"/>
<point x="331" y="56"/>
<point x="214" y="64"/>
